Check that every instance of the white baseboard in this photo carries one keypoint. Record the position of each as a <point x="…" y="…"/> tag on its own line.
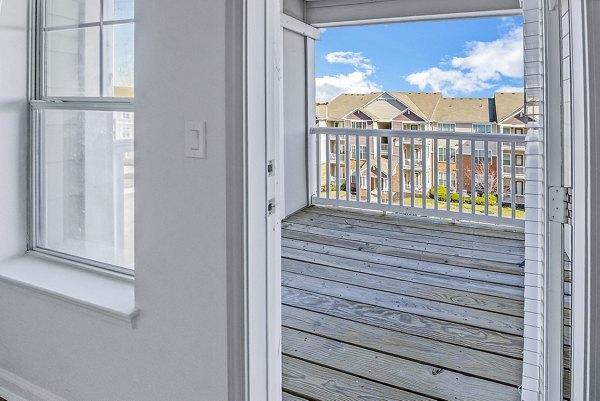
<point x="15" y="388"/>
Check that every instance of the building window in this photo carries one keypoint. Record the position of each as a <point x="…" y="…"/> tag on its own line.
<point x="359" y="124"/>
<point x="506" y="159"/>
<point x="384" y="184"/>
<point x="353" y="152"/>
<point x="480" y="156"/>
<point x="414" y="127"/>
<point x="363" y="182"/>
<point x="363" y="152"/>
<point x="442" y="155"/>
<point x="442" y="179"/>
<point x="447" y="127"/>
<point x="482" y="128"/>
<point x="519" y="160"/>
<point x="83" y="127"/>
<point x="337" y="124"/>
<point x="506" y="130"/>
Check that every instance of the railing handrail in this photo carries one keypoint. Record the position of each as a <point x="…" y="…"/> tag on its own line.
<point x="470" y="136"/>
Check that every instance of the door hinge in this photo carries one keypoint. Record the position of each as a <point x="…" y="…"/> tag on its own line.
<point x="271" y="206"/>
<point x="561" y="202"/>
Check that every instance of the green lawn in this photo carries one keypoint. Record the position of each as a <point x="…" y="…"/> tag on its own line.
<point x="493" y="209"/>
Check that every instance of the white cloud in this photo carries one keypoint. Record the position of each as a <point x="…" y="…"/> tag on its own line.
<point x="507" y="88"/>
<point x="483" y="66"/>
<point x="358" y="81"/>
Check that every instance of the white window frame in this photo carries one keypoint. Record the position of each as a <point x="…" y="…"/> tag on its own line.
<point x="487" y="130"/>
<point x="358" y="124"/>
<point x="442" y="154"/>
<point x="384" y="184"/>
<point x="481" y="152"/>
<point x="446" y="127"/>
<point x="41" y="101"/>
<point x="362" y="150"/>
<point x="363" y="181"/>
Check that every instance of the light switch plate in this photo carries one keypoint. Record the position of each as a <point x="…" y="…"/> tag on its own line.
<point x="195" y="139"/>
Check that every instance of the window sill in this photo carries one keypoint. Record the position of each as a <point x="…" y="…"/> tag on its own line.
<point x="107" y="296"/>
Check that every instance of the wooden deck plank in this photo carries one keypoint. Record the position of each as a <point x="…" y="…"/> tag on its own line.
<point x="357" y="254"/>
<point x="405" y="374"/>
<point x="376" y="304"/>
<point x="424" y="237"/>
<point x="422" y="307"/>
<point x="321" y="383"/>
<point x="436" y="353"/>
<point x="289" y="397"/>
<point x="460" y="256"/>
<point x="399" y="273"/>
<point x="401" y="322"/>
<point x="423" y="256"/>
<point x="430" y="230"/>
<point x="486" y="230"/>
<point x="407" y="289"/>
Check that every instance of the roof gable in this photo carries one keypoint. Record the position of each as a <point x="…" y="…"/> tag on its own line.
<point x="346" y="103"/>
<point x="508" y="104"/>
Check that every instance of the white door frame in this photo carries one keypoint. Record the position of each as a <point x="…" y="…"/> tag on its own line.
<point x="255" y="297"/>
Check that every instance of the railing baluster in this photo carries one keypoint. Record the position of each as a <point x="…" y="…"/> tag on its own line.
<point x="412" y="172"/>
<point x="379" y="175"/>
<point x="448" y="181"/>
<point x="435" y="173"/>
<point x="513" y="185"/>
<point x="347" y="161"/>
<point x="460" y="176"/>
<point x="328" y="166"/>
<point x="319" y="169"/>
<point x="500" y="178"/>
<point x="368" y="169"/>
<point x="337" y="167"/>
<point x="401" y="161"/>
<point x="473" y="189"/>
<point x="424" y="155"/>
<point x="390" y="159"/>
<point x="357" y="167"/>
<point x="486" y="178"/>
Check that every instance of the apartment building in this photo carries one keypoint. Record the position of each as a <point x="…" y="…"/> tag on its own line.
<point x="413" y="168"/>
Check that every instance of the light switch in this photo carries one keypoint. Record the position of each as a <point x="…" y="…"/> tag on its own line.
<point x="195" y="139"/>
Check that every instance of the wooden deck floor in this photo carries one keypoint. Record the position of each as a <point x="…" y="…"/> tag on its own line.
<point x="396" y="308"/>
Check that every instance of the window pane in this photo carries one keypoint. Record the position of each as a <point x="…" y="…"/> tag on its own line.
<point x="118" y="60"/>
<point x="118" y="9"/>
<point x="71" y="12"/>
<point x="86" y="193"/>
<point x="72" y="62"/>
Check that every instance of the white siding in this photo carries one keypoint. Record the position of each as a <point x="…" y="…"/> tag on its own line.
<point x="534" y="207"/>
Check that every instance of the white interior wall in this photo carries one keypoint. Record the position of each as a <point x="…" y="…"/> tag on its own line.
<point x="13" y="127"/>
<point x="178" y="350"/>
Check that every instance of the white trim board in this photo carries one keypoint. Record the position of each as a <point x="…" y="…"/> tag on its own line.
<point x="15" y="388"/>
<point x="299" y="27"/>
<point x="325" y="13"/>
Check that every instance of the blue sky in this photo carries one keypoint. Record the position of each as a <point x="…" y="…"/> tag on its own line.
<point x="461" y="58"/>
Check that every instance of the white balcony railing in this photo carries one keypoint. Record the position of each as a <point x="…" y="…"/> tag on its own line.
<point x="484" y="188"/>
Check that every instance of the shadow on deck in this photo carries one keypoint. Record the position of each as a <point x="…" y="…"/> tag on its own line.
<point x="400" y="308"/>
